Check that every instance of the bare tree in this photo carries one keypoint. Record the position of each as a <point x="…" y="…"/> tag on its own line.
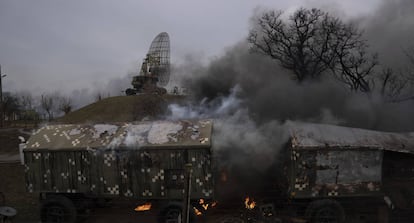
<point x="353" y="66"/>
<point x="26" y="100"/>
<point x="409" y="52"/>
<point x="398" y="85"/>
<point x="47" y="104"/>
<point x="11" y="107"/>
<point x="312" y="42"/>
<point x="392" y="84"/>
<point x="65" y="104"/>
<point x="27" y="112"/>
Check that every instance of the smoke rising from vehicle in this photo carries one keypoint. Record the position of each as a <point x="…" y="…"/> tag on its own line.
<point x="243" y="149"/>
<point x="250" y="97"/>
<point x="268" y="93"/>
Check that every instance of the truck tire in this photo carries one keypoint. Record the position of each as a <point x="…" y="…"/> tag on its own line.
<point x="170" y="213"/>
<point x="59" y="209"/>
<point x="327" y="211"/>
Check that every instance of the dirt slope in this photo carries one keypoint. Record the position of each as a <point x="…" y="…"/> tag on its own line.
<point x="122" y="109"/>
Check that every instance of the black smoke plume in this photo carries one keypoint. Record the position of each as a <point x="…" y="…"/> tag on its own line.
<point x="250" y="97"/>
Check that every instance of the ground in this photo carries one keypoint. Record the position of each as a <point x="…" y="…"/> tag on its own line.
<point x="13" y="187"/>
<point x="123" y="109"/>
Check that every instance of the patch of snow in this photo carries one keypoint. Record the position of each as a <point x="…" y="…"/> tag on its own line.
<point x="313" y="135"/>
<point x="75" y="131"/>
<point x="102" y="128"/>
<point x="116" y="142"/>
<point x="22" y="140"/>
<point x="136" y="134"/>
<point x="161" y="132"/>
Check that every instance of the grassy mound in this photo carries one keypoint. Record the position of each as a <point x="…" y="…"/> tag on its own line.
<point x="122" y="109"/>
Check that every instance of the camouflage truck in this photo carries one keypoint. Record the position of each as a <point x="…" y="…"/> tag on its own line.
<point x="333" y="168"/>
<point x="73" y="167"/>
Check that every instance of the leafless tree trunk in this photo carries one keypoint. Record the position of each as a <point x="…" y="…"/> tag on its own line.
<point x="398" y="86"/>
<point x="392" y="84"/>
<point x="47" y="103"/>
<point x="410" y="69"/>
<point x="10" y="107"/>
<point x="65" y="104"/>
<point x="26" y="102"/>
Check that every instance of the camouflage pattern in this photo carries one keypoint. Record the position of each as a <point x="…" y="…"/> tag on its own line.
<point x="143" y="160"/>
<point x="335" y="161"/>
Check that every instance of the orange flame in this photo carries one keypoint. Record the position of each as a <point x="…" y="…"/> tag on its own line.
<point x="197" y="212"/>
<point x="249" y="203"/>
<point x="144" y="207"/>
<point x="203" y="204"/>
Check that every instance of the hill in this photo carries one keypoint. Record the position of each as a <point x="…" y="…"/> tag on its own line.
<point x="122" y="109"/>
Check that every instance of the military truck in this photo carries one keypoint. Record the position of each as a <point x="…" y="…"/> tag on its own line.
<point x="328" y="168"/>
<point x="73" y="167"/>
<point x="332" y="168"/>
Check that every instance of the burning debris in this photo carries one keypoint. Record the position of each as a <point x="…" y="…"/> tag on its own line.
<point x="206" y="205"/>
<point x="144" y="207"/>
<point x="197" y="212"/>
<point x="203" y="204"/>
<point x="249" y="203"/>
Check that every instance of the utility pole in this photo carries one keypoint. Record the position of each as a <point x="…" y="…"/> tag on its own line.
<point x="1" y="98"/>
<point x="187" y="190"/>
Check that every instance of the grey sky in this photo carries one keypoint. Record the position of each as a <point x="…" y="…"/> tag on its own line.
<point x="49" y="45"/>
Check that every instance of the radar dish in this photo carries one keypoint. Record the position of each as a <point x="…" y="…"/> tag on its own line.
<point x="160" y="51"/>
<point x="155" y="69"/>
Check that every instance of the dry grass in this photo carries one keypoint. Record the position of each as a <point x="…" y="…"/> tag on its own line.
<point x="122" y="109"/>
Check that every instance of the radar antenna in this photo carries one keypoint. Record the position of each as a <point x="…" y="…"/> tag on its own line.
<point x="155" y="69"/>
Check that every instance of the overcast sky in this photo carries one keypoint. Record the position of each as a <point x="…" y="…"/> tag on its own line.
<point x="48" y="45"/>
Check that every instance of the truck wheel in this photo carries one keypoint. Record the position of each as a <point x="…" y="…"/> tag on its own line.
<point x="172" y="212"/>
<point x="58" y="209"/>
<point x="325" y="211"/>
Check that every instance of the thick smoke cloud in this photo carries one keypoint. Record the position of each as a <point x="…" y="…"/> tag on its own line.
<point x="390" y="31"/>
<point x="250" y="97"/>
<point x="243" y="150"/>
<point x="110" y="88"/>
<point x="268" y="93"/>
